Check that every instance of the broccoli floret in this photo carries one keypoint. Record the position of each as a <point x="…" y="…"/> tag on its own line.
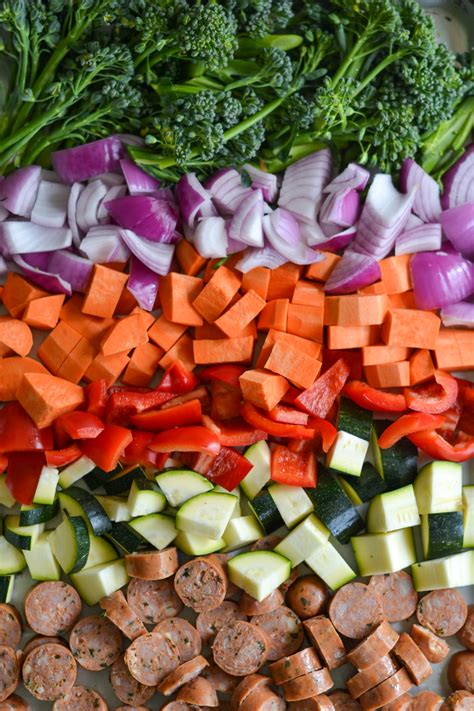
<point x="207" y="33"/>
<point x="258" y="18"/>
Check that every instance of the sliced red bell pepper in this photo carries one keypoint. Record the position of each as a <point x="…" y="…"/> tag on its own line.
<point x="3" y="462"/>
<point x="236" y="432"/>
<point x="373" y="399"/>
<point x="189" y="413"/>
<point x="433" y="398"/>
<point x="255" y="418"/>
<point x="24" y="470"/>
<point x="137" y="452"/>
<point x="433" y="444"/>
<point x="123" y="404"/>
<point x="325" y="430"/>
<point x="197" y="394"/>
<point x="301" y="445"/>
<point x="228" y="469"/>
<point x="288" y="415"/>
<point x="290" y="396"/>
<point x="352" y="356"/>
<point x="407" y="425"/>
<point x="320" y="397"/>
<point x="293" y="468"/>
<point x="63" y="457"/>
<point x="197" y="461"/>
<point x="227" y="374"/>
<point x="18" y="432"/>
<point x="106" y="449"/>
<point x="178" y="379"/>
<point x="80" y="425"/>
<point x="225" y="401"/>
<point x="96" y="397"/>
<point x="186" y="439"/>
<point x="466" y="420"/>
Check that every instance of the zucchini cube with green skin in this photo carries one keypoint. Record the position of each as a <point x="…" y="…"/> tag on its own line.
<point x="303" y="540"/>
<point x="265" y="510"/>
<point x="438" y="488"/>
<point x="79" y="502"/>
<point x="70" y="543"/>
<point x="145" y="498"/>
<point x="194" y="544"/>
<point x="7" y="583"/>
<point x="292" y="502"/>
<point x="328" y="563"/>
<point x="333" y="506"/>
<point x="259" y="573"/>
<point x="75" y="471"/>
<point x="116" y="507"/>
<point x="126" y="538"/>
<point x="31" y="514"/>
<point x="23" y="537"/>
<point x="259" y="455"/>
<point x="100" y="551"/>
<point x="393" y="510"/>
<point x="12" y="560"/>
<point x="453" y="571"/>
<point x="364" y="487"/>
<point x="41" y="561"/>
<point x="441" y="534"/>
<point x="378" y="553"/>
<point x="157" y="529"/>
<point x="6" y="499"/>
<point x="179" y="485"/>
<point x="241" y="531"/>
<point x="206" y="514"/>
<point x="397" y="465"/>
<point x="347" y="454"/>
<point x="93" y="584"/>
<point x="468" y="516"/>
<point x="47" y="486"/>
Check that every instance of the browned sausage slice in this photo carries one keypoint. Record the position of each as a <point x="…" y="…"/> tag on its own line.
<point x="246" y="688"/>
<point x="151" y="657"/>
<point x="183" y="635"/>
<point x="49" y="672"/>
<point x="80" y="699"/>
<point x="14" y="703"/>
<point x="426" y="701"/>
<point x="376" y="645"/>
<point x="119" y="612"/>
<point x="200" y="692"/>
<point x="461" y="671"/>
<point x="9" y="671"/>
<point x="370" y="677"/>
<point x="412" y="658"/>
<point x="95" y="643"/>
<point x="182" y="675"/>
<point x="52" y="608"/>
<point x="298" y="664"/>
<point x="466" y="633"/>
<point x="241" y="648"/>
<point x="342" y="701"/>
<point x="444" y="612"/>
<point x="386" y="692"/>
<point x="38" y="640"/>
<point x="126" y="688"/>
<point x="325" y="638"/>
<point x="284" y="630"/>
<point x="398" y="595"/>
<point x="433" y="647"/>
<point x="10" y="626"/>
<point x="267" y="543"/>
<point x="153" y="600"/>
<point x="308" y="685"/>
<point x="459" y="701"/>
<point x="308" y="596"/>
<point x="220" y="680"/>
<point x="317" y="703"/>
<point x="232" y="589"/>
<point x="250" y="606"/>
<point x="210" y="622"/>
<point x="403" y="703"/>
<point x="201" y="584"/>
<point x="355" y="610"/>
<point x="152" y="565"/>
<point x="263" y="699"/>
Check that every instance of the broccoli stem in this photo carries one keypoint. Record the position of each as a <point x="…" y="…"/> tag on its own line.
<point x="248" y="46"/>
<point x="450" y="134"/>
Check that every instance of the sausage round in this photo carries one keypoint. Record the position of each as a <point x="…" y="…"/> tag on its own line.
<point x="461" y="671"/>
<point x="459" y="701"/>
<point x="246" y="687"/>
<point x="80" y="699"/>
<point x="153" y="600"/>
<point x="210" y="622"/>
<point x="119" y="612"/>
<point x="263" y="699"/>
<point x="198" y="691"/>
<point x="126" y="688"/>
<point x="250" y="606"/>
<point x="386" y="692"/>
<point x="412" y="658"/>
<point x="232" y="589"/>
<point x="298" y="664"/>
<point x="152" y="565"/>
<point x="317" y="703"/>
<point x="433" y="647"/>
<point x="10" y="625"/>
<point x="403" y="703"/>
<point x="52" y="608"/>
<point x="220" y="680"/>
<point x="342" y="701"/>
<point x="182" y="675"/>
<point x="308" y="596"/>
<point x="49" y="672"/>
<point x="398" y="595"/>
<point x="151" y="657"/>
<point x="267" y="543"/>
<point x="284" y="631"/>
<point x="444" y="612"/>
<point x="303" y="687"/>
<point x="95" y="643"/>
<point x="325" y="638"/>
<point x="38" y="640"/>
<point x="241" y="648"/>
<point x="426" y="701"/>
<point x="9" y="671"/>
<point x="201" y="584"/>
<point x="183" y="635"/>
<point x="466" y="633"/>
<point x="355" y="610"/>
<point x="370" y="677"/>
<point x="14" y="703"/>
<point x="376" y="645"/>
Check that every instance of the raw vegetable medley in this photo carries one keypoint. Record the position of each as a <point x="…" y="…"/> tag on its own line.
<point x="230" y="320"/>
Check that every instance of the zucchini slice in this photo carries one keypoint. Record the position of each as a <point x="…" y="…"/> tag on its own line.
<point x="158" y="529"/>
<point x="93" y="584"/>
<point x="71" y="544"/>
<point x="438" y="488"/>
<point x="334" y="508"/>
<point x="328" y="563"/>
<point x="303" y="540"/>
<point x="354" y="419"/>
<point x="206" y="514"/>
<point x="259" y="573"/>
<point x="145" y="497"/>
<point x="41" y="560"/>
<point x="23" y="537"/>
<point x="393" y="510"/>
<point x="179" y="485"/>
<point x="121" y="482"/>
<point x="454" y="571"/>
<point x="364" y="487"/>
<point x="100" y="551"/>
<point x="266" y="512"/>
<point x="259" y="455"/>
<point x="378" y="553"/>
<point x="441" y="534"/>
<point x="116" y="507"/>
<point x="38" y="513"/>
<point x="347" y="454"/>
<point x="75" y="471"/>
<point x="97" y="477"/>
<point x="292" y="502"/>
<point x="11" y="559"/>
<point x="126" y="538"/>
<point x="241" y="531"/>
<point x="47" y="486"/>
<point x="398" y="464"/>
<point x="87" y="506"/>
<point x="6" y="499"/>
<point x="7" y="583"/>
<point x="193" y="544"/>
<point x="468" y="518"/>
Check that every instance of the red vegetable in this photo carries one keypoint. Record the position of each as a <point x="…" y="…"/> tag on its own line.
<point x="63" y="457"/>
<point x="407" y="425"/>
<point x="189" y="413"/>
<point x="80" y="425"/>
<point x="178" y="379"/>
<point x="373" y="399"/>
<point x="106" y="449"/>
<point x="227" y="374"/>
<point x="96" y="396"/>
<point x="18" y="432"/>
<point x="433" y="398"/>
<point x="293" y="468"/>
<point x="320" y="397"/>
<point x="255" y="418"/>
<point x="282" y="413"/>
<point x="186" y="439"/>
<point x="228" y="469"/>
<point x="138" y="452"/>
<point x="24" y="470"/>
<point x="325" y="430"/>
<point x="125" y="403"/>
<point x="237" y="433"/>
<point x="433" y="444"/>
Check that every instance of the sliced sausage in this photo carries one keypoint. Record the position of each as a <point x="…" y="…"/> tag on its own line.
<point x="466" y="633"/>
<point x="370" y="677"/>
<point x="152" y="565"/>
<point x="95" y="643"/>
<point x="119" y="612"/>
<point x="151" y="657"/>
<point x="49" y="672"/>
<point x="426" y="701"/>
<point x="376" y="645"/>
<point x="342" y="701"/>
<point x="232" y="589"/>
<point x="298" y="664"/>
<point x="80" y="699"/>
<point x="293" y="576"/>
<point x="355" y="610"/>
<point x="250" y="606"/>
<point x="246" y="687"/>
<point x="308" y="596"/>
<point x="398" y="595"/>
<point x="241" y="648"/>
<point x="263" y="699"/>
<point x="284" y="630"/>
<point x="183" y="635"/>
<point x="325" y="638"/>
<point x="403" y="703"/>
<point x="153" y="600"/>
<point x="220" y="680"/>
<point x="201" y="584"/>
<point x="459" y="701"/>
<point x="308" y="685"/>
<point x="317" y="703"/>
<point x="14" y="703"/>
<point x="210" y="622"/>
<point x="461" y="671"/>
<point x="444" y="612"/>
<point x="126" y="688"/>
<point x="9" y="671"/>
<point x="433" y="647"/>
<point x="267" y="543"/>
<point x="386" y="692"/>
<point x="52" y="608"/>
<point x="10" y="626"/>
<point x="182" y="675"/>
<point x="412" y="658"/>
<point x="38" y="640"/>
<point x="200" y="692"/>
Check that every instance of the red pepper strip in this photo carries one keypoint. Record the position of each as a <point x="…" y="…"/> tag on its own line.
<point x="373" y="399"/>
<point x="228" y="469"/>
<point x="290" y="396"/>
<point x="466" y="420"/>
<point x="255" y="418"/>
<point x="235" y="432"/>
<point x="106" y="449"/>
<point x="24" y="470"/>
<point x="3" y="462"/>
<point x="320" y="397"/>
<point x="123" y="404"/>
<point x="293" y="468"/>
<point x="80" y="425"/>
<point x="96" y="397"/>
<point x="227" y="374"/>
<point x="178" y="379"/>
<point x="63" y="457"/>
<point x="325" y="430"/>
<point x="407" y="425"/>
<point x="189" y="413"/>
<point x="18" y="432"/>
<point x="433" y="398"/>
<point x="137" y="452"/>
<point x="300" y="445"/>
<point x="198" y="394"/>
<point x="282" y="413"/>
<point x="186" y="439"/>
<point x="436" y="446"/>
<point x="197" y="461"/>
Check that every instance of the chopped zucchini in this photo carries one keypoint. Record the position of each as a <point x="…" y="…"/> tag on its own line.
<point x="241" y="531"/>
<point x="116" y="507"/>
<point x="468" y="516"/>
<point x="259" y="573"/>
<point x="206" y="514"/>
<point x="179" y="485"/>
<point x="38" y="513"/>
<point x="393" y="510"/>
<point x="347" y="454"/>
<point x="100" y="551"/>
<point x="259" y="455"/>
<point x="334" y="508"/>
<point x="121" y="482"/>
<point x="441" y="534"/>
<point x="265" y="510"/>
<point x="12" y="560"/>
<point x="364" y="487"/>
<point x="71" y="543"/>
<point x="126" y="538"/>
<point x="87" y="506"/>
<point x="292" y="502"/>
<point x="23" y="537"/>
<point x="354" y="419"/>
<point x="158" y="529"/>
<point x="6" y="499"/>
<point x="378" y="553"/>
<point x="41" y="560"/>
<point x="194" y="544"/>
<point x="75" y="471"/>
<point x="398" y="464"/>
<point x="302" y="541"/>
<point x="145" y="497"/>
<point x="93" y="584"/>
<point x="328" y="563"/>
<point x="438" y="488"/>
<point x="47" y="486"/>
<point x="7" y="583"/>
<point x="97" y="477"/>
<point x="454" y="571"/>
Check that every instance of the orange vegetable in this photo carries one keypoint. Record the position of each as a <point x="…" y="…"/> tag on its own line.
<point x="377" y="288"/>
<point x="306" y="321"/>
<point x="11" y="372"/>
<point x="126" y="303"/>
<point x="225" y="401"/>
<point x="104" y="291"/>
<point x="91" y="327"/>
<point x="274" y="315"/>
<point x="308" y="294"/>
<point x="297" y="367"/>
<point x="388" y="375"/>
<point x="45" y="397"/>
<point x="301" y="344"/>
<point x="321" y="271"/>
<point x="355" y="310"/>
<point x="207" y="331"/>
<point x="396" y="276"/>
<point x="76" y="363"/>
<point x="127" y="333"/>
<point x="17" y="293"/>
<point x="108" y="368"/>
<point x="454" y="349"/>
<point x="263" y="389"/>
<point x="342" y="337"/>
<point x="177" y="293"/>
<point x="15" y="336"/>
<point x="143" y="365"/>
<point x="147" y="318"/>
<point x="377" y="355"/>
<point x="183" y="351"/>
<point x="241" y="314"/>
<point x="225" y="350"/>
<point x="402" y="301"/>
<point x="57" y="346"/>
<point x="165" y="333"/>
<point x="44" y="313"/>
<point x="411" y="328"/>
<point x="258" y="280"/>
<point x="283" y="281"/>
<point x="213" y="265"/>
<point x="421" y="367"/>
<point x="188" y="258"/>
<point x="217" y="294"/>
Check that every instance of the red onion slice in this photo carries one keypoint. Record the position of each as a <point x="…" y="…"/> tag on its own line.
<point x="193" y="199"/>
<point x="440" y="279"/>
<point x="427" y="202"/>
<point x="50" y="282"/>
<point x="138" y="181"/>
<point x="88" y="204"/>
<point x="210" y="237"/>
<point x="50" y="208"/>
<point x="261" y="180"/>
<point x="425" y="238"/>
<point x="88" y="160"/>
<point x="458" y="225"/>
<point x="76" y="190"/>
<point x="283" y="232"/>
<point x="459" y="181"/>
<point x="156" y="256"/>
<point x="460" y="314"/>
<point x="264" y="257"/>
<point x="18" y="237"/>
<point x="227" y="190"/>
<point x="246" y="224"/>
<point x="353" y="272"/>
<point x="354" y="176"/>
<point x="303" y="184"/>
<point x="143" y="284"/>
<point x="18" y="190"/>
<point x="71" y="268"/>
<point x="103" y="244"/>
<point x="147" y="216"/>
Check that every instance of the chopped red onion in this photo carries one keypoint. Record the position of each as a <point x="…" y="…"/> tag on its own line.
<point x="210" y="237"/>
<point x="3" y="266"/>
<point x="283" y="232"/>
<point x="88" y="160"/>
<point x="138" y="181"/>
<point x="103" y="244"/>
<point x="18" y="237"/>
<point x="440" y="279"/>
<point x="38" y="260"/>
<point x="109" y="179"/>
<point x="4" y="214"/>
<point x="425" y="238"/>
<point x="353" y="272"/>
<point x="88" y="204"/>
<point x="50" y="175"/>
<point x="459" y="181"/>
<point x="148" y="217"/>
<point x="115" y="191"/>
<point x="340" y="240"/>
<point x="51" y="204"/>
<point x="192" y="198"/>
<point x="312" y="233"/>
<point x="264" y="257"/>
<point x="413" y="221"/>
<point x="18" y="190"/>
<point x="143" y="284"/>
<point x="266" y="182"/>
<point x="460" y="314"/>
<point x="227" y="190"/>
<point x="341" y="208"/>
<point x="303" y="184"/>
<point x="50" y="282"/>
<point x="427" y="202"/>
<point x="246" y="224"/>
<point x="75" y="192"/>
<point x="354" y="176"/>
<point x="157" y="256"/>
<point x="71" y="268"/>
<point x="458" y="225"/>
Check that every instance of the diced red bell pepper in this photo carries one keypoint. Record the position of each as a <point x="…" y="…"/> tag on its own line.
<point x="3" y="462"/>
<point x="290" y="396"/>
<point x="106" y="449"/>
<point x="138" y="452"/>
<point x="200" y="394"/>
<point x="186" y="439"/>
<point x="178" y="379"/>
<point x="189" y="413"/>
<point x="433" y="398"/>
<point x="235" y="433"/>
<point x="63" y="457"/>
<point x="80" y="425"/>
<point x="197" y="461"/>
<point x="293" y="468"/>
<point x="466" y="420"/>
<point x="320" y="397"/>
<point x="255" y="418"/>
<point x="228" y="469"/>
<point x="227" y="374"/>
<point x="96" y="397"/>
<point x="123" y="404"/>
<point x="407" y="425"/>
<point x="325" y="430"/>
<point x="288" y="415"/>
<point x="352" y="356"/>
<point x="373" y="399"/>
<point x="226" y="401"/>
<point x="18" y="432"/>
<point x="433" y="444"/>
<point x="24" y="470"/>
<point x="301" y="445"/>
